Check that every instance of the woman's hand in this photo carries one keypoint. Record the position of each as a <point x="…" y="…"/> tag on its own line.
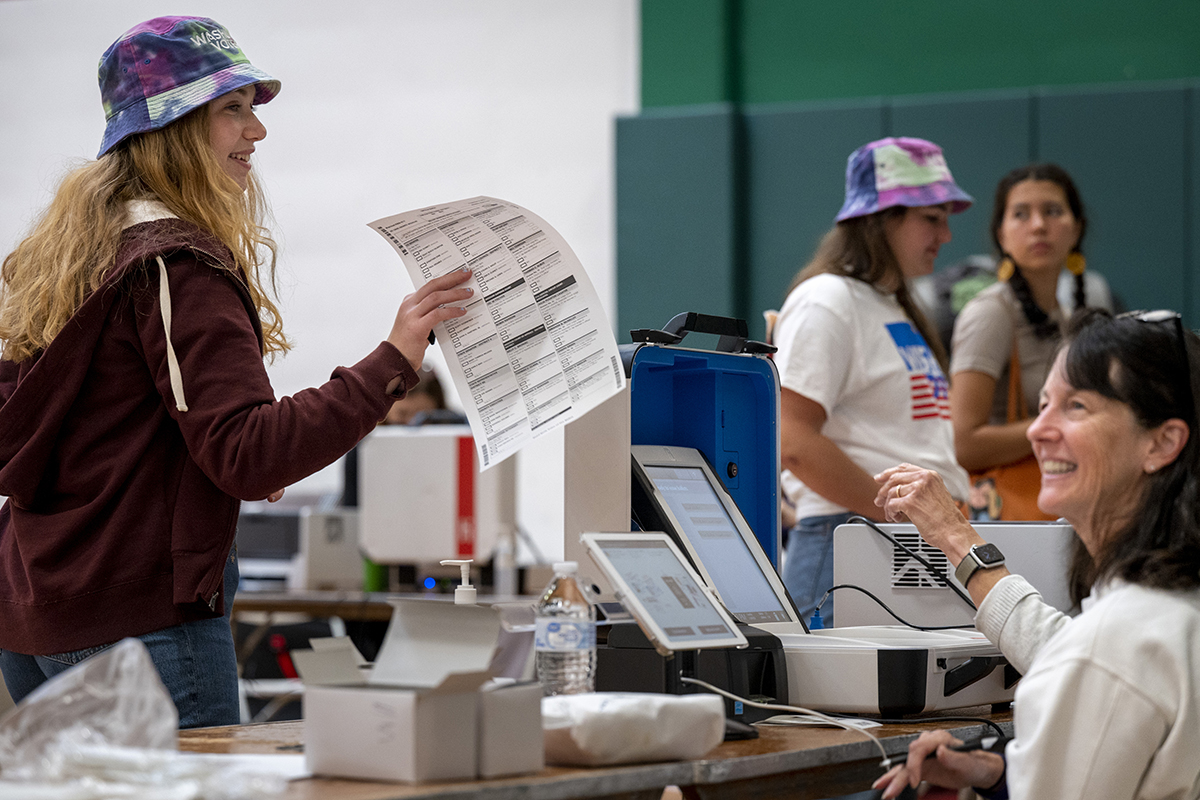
<point x="912" y="494"/>
<point x="950" y="768"/>
<point x="423" y="309"/>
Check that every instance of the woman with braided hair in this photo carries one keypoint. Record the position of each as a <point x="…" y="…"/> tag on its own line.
<point x="1038" y="223"/>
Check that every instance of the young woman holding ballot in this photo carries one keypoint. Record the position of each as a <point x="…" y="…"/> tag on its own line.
<point x="1107" y="705"/>
<point x="862" y="371"/>
<point x="136" y="410"/>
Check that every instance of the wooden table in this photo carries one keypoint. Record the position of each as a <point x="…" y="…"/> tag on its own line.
<point x="798" y="763"/>
<point x="349" y="605"/>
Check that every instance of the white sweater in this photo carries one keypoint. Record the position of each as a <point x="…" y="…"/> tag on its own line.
<point x="1110" y="703"/>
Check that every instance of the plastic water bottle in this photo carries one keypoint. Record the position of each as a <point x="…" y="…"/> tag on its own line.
<point x="565" y="641"/>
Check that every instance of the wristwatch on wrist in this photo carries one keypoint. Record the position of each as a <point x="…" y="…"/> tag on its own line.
<point x="980" y="556"/>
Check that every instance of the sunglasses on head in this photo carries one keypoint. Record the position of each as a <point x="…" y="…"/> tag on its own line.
<point x="1162" y="316"/>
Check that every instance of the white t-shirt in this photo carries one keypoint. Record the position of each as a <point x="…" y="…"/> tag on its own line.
<point x="851" y="349"/>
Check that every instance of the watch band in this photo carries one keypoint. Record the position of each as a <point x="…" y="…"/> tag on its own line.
<point x="980" y="556"/>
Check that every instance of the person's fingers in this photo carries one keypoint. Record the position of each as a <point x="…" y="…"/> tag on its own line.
<point x="975" y="768"/>
<point x="895" y="785"/>
<point x="441" y="283"/>
<point x="427" y="306"/>
<point x="886" y="777"/>
<point x="890" y="471"/>
<point x="925" y="745"/>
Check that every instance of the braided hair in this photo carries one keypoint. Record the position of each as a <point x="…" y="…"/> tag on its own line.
<point x="1043" y="327"/>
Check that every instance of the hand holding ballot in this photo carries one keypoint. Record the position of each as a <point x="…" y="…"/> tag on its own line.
<point x="531" y="349"/>
<point x="426" y="307"/>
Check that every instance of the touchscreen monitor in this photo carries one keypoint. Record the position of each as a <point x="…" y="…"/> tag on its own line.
<point x="676" y="491"/>
<point x="665" y="595"/>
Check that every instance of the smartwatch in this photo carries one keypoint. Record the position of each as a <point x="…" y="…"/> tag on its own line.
<point x="980" y="556"/>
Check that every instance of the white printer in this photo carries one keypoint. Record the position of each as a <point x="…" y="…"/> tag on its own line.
<point x="876" y="669"/>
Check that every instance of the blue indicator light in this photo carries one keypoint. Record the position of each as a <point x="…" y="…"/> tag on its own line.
<point x="430" y="583"/>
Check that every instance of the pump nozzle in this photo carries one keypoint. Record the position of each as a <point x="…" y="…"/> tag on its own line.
<point x="464" y="595"/>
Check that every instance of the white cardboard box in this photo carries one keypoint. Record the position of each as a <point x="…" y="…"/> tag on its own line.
<point x="510" y="730"/>
<point x="419" y="714"/>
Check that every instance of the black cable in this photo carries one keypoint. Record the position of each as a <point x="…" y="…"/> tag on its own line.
<point x="981" y="720"/>
<point x="932" y="570"/>
<point x="895" y="616"/>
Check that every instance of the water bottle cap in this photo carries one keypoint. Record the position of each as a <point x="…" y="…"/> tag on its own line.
<point x="566" y="567"/>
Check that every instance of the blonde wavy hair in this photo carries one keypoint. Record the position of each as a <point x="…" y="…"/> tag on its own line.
<point x="72" y="248"/>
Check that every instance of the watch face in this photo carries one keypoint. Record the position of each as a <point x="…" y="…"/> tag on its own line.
<point x="988" y="554"/>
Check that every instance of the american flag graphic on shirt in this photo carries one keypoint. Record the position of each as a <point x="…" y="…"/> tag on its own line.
<point x="928" y="387"/>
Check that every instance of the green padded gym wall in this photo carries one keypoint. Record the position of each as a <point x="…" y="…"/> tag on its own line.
<point x="718" y="206"/>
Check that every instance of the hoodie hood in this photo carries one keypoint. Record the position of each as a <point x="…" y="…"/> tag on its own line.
<point x="48" y="383"/>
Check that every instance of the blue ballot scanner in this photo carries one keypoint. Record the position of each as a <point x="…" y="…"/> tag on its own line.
<point x="723" y="402"/>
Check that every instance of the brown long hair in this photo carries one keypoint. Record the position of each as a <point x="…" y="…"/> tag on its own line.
<point x="73" y="245"/>
<point x="858" y="248"/>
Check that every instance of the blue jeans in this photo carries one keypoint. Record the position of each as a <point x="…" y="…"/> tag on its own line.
<point x="808" y="568"/>
<point x="196" y="662"/>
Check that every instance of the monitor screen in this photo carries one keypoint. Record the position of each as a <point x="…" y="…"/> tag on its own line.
<point x="712" y="535"/>
<point x="665" y="590"/>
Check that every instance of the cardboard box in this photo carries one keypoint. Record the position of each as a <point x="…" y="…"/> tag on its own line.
<point x="418" y="713"/>
<point x="510" y="730"/>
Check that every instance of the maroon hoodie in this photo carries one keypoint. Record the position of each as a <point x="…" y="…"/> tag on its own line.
<point x="122" y="508"/>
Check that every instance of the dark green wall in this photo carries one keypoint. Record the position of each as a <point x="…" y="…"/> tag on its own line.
<point x="770" y="51"/>
<point x="735" y="166"/>
<point x="719" y="206"/>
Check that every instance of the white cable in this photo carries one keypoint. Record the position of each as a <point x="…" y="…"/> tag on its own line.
<point x="835" y="722"/>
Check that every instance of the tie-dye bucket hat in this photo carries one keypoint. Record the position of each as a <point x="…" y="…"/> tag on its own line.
<point x="165" y="67"/>
<point x="899" y="172"/>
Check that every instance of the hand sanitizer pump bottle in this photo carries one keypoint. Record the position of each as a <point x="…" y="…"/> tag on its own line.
<point x="464" y="594"/>
<point x="565" y="639"/>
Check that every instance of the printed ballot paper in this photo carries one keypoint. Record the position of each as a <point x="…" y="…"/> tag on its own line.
<point x="534" y="350"/>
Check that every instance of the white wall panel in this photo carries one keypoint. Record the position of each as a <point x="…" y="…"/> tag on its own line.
<point x="387" y="105"/>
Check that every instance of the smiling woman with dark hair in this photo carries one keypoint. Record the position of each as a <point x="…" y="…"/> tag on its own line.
<point x="1108" y="707"/>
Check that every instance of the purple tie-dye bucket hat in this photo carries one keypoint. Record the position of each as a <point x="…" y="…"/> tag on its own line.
<point x="899" y="172"/>
<point x="165" y="67"/>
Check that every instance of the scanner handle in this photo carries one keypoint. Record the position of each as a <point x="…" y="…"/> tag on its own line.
<point x="733" y="333"/>
<point x="970" y="671"/>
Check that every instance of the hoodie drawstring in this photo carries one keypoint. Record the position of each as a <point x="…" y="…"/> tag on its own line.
<point x="164" y="299"/>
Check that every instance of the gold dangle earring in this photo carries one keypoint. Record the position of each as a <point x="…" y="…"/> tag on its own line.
<point x="1005" y="269"/>
<point x="1076" y="263"/>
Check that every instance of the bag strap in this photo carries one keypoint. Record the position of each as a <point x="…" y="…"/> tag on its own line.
<point x="1018" y="409"/>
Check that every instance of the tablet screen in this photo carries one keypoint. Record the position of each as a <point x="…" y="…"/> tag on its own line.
<point x="712" y="536"/>
<point x="648" y="570"/>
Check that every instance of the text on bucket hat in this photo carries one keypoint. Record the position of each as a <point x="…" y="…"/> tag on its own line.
<point x="165" y="67"/>
<point x="899" y="172"/>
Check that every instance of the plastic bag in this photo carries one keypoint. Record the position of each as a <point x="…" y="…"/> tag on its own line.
<point x="113" y="698"/>
<point x="108" y="728"/>
<point x="625" y="727"/>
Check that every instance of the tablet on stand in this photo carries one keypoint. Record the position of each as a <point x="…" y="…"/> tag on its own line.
<point x="664" y="594"/>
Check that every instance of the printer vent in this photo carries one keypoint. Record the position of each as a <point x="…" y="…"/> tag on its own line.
<point x="907" y="572"/>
